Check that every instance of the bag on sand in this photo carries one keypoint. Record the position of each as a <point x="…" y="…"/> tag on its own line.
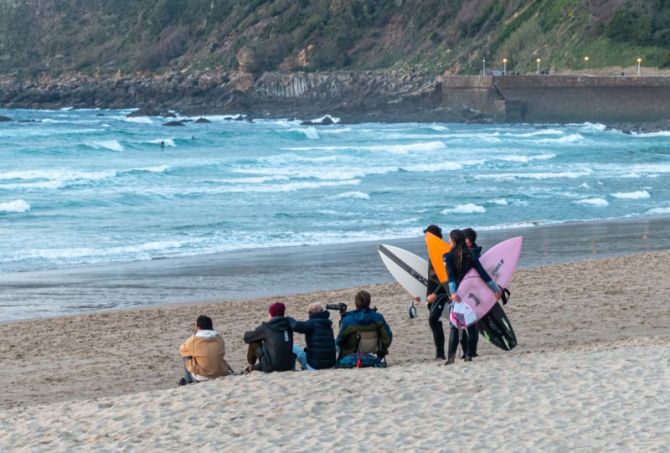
<point x="360" y="360"/>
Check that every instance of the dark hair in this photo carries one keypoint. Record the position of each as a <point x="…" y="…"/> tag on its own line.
<point x="460" y="251"/>
<point x="470" y="234"/>
<point x="204" y="322"/>
<point x="362" y="300"/>
<point x="436" y="230"/>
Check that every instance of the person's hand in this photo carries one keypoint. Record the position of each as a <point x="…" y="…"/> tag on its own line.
<point x="497" y="290"/>
<point x="455" y="298"/>
<point x="430" y="298"/>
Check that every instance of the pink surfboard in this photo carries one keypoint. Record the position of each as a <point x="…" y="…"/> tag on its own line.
<point x="477" y="299"/>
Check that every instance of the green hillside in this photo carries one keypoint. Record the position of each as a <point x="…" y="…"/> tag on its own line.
<point x="103" y="36"/>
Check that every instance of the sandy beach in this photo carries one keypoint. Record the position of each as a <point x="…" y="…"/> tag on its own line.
<point x="590" y="372"/>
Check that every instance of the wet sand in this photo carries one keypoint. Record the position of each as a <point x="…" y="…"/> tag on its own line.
<point x="291" y="270"/>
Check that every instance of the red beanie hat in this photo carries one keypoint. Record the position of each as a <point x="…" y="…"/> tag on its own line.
<point x="277" y="309"/>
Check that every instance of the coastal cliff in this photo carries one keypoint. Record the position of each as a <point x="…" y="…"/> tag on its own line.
<point x="356" y="96"/>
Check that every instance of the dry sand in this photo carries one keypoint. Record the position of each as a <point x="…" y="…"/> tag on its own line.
<point x="590" y="372"/>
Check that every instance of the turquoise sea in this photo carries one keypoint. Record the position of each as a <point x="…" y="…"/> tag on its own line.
<point x="81" y="187"/>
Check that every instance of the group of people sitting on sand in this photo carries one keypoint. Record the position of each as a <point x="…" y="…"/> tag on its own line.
<point x="363" y="340"/>
<point x="364" y="335"/>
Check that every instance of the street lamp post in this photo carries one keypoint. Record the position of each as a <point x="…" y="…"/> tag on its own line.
<point x="586" y="62"/>
<point x="504" y="66"/>
<point x="539" y="60"/>
<point x="483" y="67"/>
<point x="639" y="60"/>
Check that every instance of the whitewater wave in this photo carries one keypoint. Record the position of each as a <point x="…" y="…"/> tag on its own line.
<point x="112" y="145"/>
<point x="593" y="127"/>
<point x="354" y="194"/>
<point x="310" y="133"/>
<point x="156" y="169"/>
<point x="572" y="138"/>
<point x="138" y="120"/>
<point x="334" y="119"/>
<point x="467" y="208"/>
<point x="408" y="148"/>
<point x="394" y="149"/>
<point x="167" y="141"/>
<point x="536" y="175"/>
<point x="536" y="133"/>
<point x="637" y="195"/>
<point x="89" y="253"/>
<point x="658" y="211"/>
<point x="596" y="201"/>
<point x="57" y="175"/>
<point x="650" y="134"/>
<point x="431" y="168"/>
<point x="15" y="206"/>
<point x="525" y="159"/>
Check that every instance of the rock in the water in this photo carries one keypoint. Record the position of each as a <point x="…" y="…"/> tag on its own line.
<point x="174" y="123"/>
<point x="4" y="118"/>
<point x="202" y="120"/>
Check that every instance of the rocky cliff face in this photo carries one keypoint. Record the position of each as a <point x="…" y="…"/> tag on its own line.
<point x="355" y="95"/>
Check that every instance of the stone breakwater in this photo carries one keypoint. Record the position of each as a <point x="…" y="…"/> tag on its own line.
<point x="355" y="96"/>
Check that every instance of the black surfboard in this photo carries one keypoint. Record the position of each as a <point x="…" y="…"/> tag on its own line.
<point x="497" y="329"/>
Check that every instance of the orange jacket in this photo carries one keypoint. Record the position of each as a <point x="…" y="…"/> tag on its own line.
<point x="206" y="351"/>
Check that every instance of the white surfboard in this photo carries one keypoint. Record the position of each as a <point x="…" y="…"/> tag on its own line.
<point x="410" y="270"/>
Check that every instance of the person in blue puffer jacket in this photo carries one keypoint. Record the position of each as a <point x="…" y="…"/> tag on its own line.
<point x="362" y="319"/>
<point x="320" y="339"/>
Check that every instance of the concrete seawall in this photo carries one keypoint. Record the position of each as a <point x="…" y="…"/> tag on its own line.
<point x="560" y="98"/>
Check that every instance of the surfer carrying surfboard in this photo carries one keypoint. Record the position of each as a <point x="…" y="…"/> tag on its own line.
<point x="458" y="262"/>
<point x="437" y="299"/>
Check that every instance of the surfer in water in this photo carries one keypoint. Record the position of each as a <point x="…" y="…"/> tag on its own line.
<point x="458" y="262"/>
<point x="437" y="299"/>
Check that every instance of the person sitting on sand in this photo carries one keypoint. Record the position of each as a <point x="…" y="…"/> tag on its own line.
<point x="320" y="339"/>
<point x="359" y="321"/>
<point x="459" y="261"/>
<point x="203" y="353"/>
<point x="437" y="299"/>
<point x="271" y="343"/>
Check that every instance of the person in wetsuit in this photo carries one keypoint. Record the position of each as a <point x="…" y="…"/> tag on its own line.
<point x="476" y="250"/>
<point x="458" y="262"/>
<point x="437" y="299"/>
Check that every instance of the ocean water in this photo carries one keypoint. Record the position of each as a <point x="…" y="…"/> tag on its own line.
<point x="80" y="187"/>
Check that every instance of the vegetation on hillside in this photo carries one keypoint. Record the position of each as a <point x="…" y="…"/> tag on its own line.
<point x="103" y="36"/>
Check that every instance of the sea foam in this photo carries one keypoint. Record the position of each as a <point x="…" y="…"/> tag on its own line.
<point x="467" y="208"/>
<point x="637" y="195"/>
<point x="16" y="206"/>
<point x="596" y="201"/>
<point x="112" y="145"/>
<point x="354" y="194"/>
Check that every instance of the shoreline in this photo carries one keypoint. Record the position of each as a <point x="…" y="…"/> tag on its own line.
<point x="291" y="270"/>
<point x="562" y="307"/>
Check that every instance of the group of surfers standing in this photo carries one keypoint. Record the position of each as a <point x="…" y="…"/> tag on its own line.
<point x="463" y="256"/>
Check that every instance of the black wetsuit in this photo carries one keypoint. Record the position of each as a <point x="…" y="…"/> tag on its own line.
<point x="476" y="251"/>
<point x="435" y="311"/>
<point x="455" y="276"/>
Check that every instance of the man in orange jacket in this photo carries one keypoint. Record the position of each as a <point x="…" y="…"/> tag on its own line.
<point x="203" y="353"/>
